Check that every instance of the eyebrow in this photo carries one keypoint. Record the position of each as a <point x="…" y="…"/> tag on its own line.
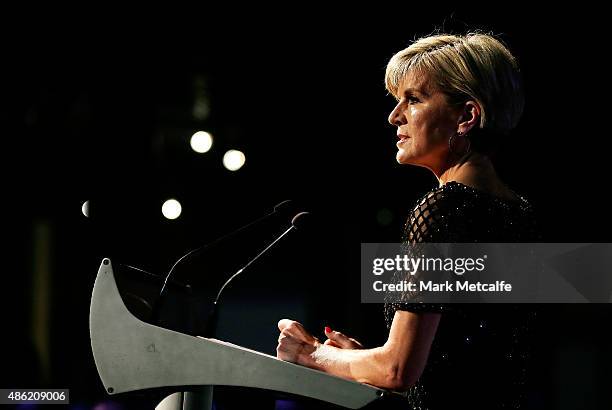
<point x="414" y="91"/>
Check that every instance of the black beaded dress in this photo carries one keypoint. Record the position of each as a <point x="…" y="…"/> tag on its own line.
<point x="481" y="352"/>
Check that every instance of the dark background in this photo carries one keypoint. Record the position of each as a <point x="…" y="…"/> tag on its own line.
<point x="102" y="110"/>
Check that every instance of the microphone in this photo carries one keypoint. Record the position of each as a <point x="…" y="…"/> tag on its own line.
<point x="297" y="222"/>
<point x="278" y="208"/>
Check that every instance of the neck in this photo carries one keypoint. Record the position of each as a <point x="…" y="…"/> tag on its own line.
<point x="469" y="168"/>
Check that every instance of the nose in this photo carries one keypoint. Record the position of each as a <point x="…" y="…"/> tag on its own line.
<point x="396" y="118"/>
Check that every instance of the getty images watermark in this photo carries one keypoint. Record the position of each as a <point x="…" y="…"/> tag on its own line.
<point x="410" y="266"/>
<point x="486" y="273"/>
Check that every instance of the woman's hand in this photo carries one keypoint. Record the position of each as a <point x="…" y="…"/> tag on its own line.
<point x="295" y="344"/>
<point x="340" y="340"/>
<point x="396" y="365"/>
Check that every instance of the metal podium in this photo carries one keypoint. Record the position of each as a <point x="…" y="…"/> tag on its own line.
<point x="133" y="355"/>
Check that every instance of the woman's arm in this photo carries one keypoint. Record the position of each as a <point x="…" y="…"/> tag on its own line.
<point x="396" y="365"/>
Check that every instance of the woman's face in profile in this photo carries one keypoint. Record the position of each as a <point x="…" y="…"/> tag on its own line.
<point x="425" y="121"/>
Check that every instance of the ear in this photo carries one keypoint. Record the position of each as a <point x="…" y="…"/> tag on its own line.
<point x="470" y="117"/>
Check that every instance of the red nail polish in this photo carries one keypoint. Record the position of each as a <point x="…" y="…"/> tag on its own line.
<point x="327" y="329"/>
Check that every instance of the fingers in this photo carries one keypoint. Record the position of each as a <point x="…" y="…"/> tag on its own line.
<point x="290" y="325"/>
<point x="296" y="330"/>
<point x="330" y="342"/>
<point x="284" y="323"/>
<point x="336" y="336"/>
<point x="341" y="340"/>
<point x="286" y="351"/>
<point x="288" y="347"/>
<point x="294" y="342"/>
<point x="355" y="343"/>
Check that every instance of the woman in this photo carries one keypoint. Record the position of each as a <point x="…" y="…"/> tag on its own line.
<point x="456" y="97"/>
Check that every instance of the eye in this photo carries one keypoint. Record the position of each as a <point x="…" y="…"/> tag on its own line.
<point x="412" y="99"/>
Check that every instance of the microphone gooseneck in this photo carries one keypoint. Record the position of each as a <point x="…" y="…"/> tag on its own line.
<point x="296" y="222"/>
<point x="157" y="307"/>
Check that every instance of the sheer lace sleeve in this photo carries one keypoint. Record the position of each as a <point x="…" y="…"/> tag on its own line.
<point x="429" y="220"/>
<point x="458" y="213"/>
<point x="433" y="220"/>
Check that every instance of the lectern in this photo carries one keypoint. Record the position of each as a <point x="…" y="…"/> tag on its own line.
<point x="133" y="355"/>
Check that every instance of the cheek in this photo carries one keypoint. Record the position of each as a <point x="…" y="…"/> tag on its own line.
<point x="418" y="119"/>
<point x="415" y="114"/>
<point x="438" y="126"/>
<point x="424" y="124"/>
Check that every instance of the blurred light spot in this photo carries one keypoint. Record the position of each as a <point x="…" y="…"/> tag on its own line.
<point x="282" y="404"/>
<point x="201" y="102"/>
<point x="201" y="109"/>
<point x="171" y="209"/>
<point x="201" y="142"/>
<point x="233" y="160"/>
<point x="384" y="217"/>
<point x="85" y="208"/>
<point x="108" y="405"/>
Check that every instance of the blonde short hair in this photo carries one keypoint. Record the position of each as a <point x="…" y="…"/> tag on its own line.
<point x="474" y="67"/>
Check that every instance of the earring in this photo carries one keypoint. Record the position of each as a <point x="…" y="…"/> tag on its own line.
<point x="451" y="143"/>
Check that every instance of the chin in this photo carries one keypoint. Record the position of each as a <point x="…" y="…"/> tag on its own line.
<point x="401" y="158"/>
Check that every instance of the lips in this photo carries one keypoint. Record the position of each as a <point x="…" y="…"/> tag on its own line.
<point x="402" y="137"/>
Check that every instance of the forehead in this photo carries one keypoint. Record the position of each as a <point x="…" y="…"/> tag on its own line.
<point x="416" y="80"/>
